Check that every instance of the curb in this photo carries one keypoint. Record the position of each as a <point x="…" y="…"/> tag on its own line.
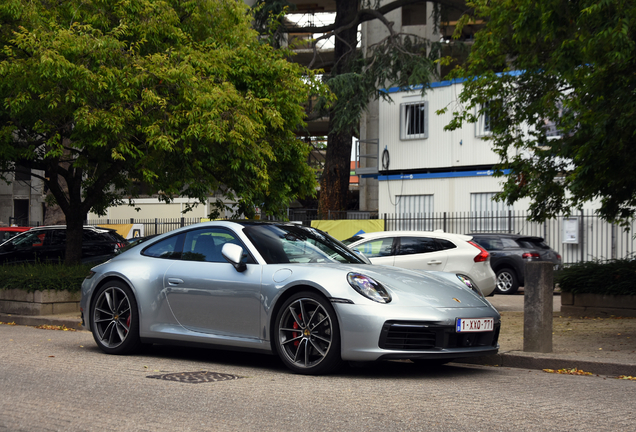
<point x="35" y="320"/>
<point x="518" y="359"/>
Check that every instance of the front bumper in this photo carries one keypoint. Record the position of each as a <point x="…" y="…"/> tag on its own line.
<point x="413" y="333"/>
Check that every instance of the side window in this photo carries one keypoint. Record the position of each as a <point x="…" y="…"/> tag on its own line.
<point x="445" y="244"/>
<point x="169" y="248"/>
<point x="417" y="245"/>
<point x="489" y="243"/>
<point x="206" y="244"/>
<point x="509" y="243"/>
<point x="377" y="248"/>
<point x="58" y="237"/>
<point x="32" y="239"/>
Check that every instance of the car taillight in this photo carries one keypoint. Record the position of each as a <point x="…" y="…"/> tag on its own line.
<point x="559" y="257"/>
<point x="120" y="245"/>
<point x="530" y="255"/>
<point x="483" y="254"/>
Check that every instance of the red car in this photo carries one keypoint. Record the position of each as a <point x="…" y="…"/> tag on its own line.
<point x="9" y="232"/>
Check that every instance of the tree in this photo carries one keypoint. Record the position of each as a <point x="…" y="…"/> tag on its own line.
<point x="398" y="60"/>
<point x="182" y="97"/>
<point x="574" y="63"/>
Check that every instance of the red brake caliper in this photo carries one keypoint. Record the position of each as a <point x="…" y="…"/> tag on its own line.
<point x="294" y="334"/>
<point x="128" y="321"/>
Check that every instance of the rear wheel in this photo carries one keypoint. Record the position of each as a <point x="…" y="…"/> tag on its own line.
<point x="507" y="282"/>
<point x="307" y="335"/>
<point x="115" y="319"/>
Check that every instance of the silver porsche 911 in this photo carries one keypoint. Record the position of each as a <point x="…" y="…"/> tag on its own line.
<point x="286" y="289"/>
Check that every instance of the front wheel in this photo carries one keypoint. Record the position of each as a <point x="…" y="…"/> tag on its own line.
<point x="307" y="335"/>
<point x="115" y="319"/>
<point x="507" y="282"/>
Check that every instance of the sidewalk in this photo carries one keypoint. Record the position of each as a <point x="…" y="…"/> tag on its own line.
<point x="603" y="346"/>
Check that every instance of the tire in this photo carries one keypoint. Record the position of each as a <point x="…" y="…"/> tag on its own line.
<point x="115" y="319"/>
<point x="507" y="282"/>
<point x="307" y="335"/>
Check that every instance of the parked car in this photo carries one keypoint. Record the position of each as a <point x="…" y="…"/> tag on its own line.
<point x="509" y="254"/>
<point x="9" y="232"/>
<point x="426" y="250"/>
<point x="48" y="244"/>
<point x="285" y="289"/>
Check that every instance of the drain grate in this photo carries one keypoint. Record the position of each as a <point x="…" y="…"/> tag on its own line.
<point x="195" y="377"/>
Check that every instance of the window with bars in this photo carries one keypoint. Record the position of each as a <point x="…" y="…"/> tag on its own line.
<point x="414" y="120"/>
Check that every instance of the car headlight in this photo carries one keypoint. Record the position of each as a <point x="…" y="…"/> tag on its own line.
<point x="371" y="289"/>
<point x="470" y="284"/>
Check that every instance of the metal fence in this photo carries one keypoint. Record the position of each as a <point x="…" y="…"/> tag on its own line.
<point x="581" y="237"/>
<point x="151" y="226"/>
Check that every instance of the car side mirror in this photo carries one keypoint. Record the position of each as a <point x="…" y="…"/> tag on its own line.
<point x="233" y="253"/>
<point x="361" y="255"/>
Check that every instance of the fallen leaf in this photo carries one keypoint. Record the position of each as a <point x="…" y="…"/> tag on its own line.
<point x="53" y="327"/>
<point x="627" y="377"/>
<point x="574" y="371"/>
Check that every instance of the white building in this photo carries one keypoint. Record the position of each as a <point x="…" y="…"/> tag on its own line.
<point x="421" y="168"/>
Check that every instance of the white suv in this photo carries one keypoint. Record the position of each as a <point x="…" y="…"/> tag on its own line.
<point x="424" y="250"/>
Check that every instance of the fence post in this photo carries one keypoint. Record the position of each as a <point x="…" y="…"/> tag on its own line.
<point x="581" y="231"/>
<point x="444" y="222"/>
<point x="613" y="241"/>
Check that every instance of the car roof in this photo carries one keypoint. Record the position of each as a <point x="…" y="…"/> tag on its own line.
<point x="88" y="227"/>
<point x="435" y="234"/>
<point x="507" y="235"/>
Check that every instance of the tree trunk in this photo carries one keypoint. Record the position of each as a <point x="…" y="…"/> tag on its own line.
<point x="334" y="184"/>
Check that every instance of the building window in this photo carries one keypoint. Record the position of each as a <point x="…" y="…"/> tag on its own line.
<point x="414" y="14"/>
<point x="414" y="120"/>
<point x="489" y="215"/>
<point x="483" y="125"/>
<point x="22" y="173"/>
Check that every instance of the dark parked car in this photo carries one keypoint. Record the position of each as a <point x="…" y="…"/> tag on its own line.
<point x="509" y="254"/>
<point x="48" y="244"/>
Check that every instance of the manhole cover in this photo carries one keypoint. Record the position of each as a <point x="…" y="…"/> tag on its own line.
<point x="195" y="377"/>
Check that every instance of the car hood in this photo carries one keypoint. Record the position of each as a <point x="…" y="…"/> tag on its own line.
<point x="407" y="287"/>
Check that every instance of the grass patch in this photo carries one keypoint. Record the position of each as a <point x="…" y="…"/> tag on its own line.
<point x="33" y="277"/>
<point x="614" y="277"/>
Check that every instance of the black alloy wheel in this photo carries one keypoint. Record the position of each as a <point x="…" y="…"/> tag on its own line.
<point x="115" y="319"/>
<point x="307" y="334"/>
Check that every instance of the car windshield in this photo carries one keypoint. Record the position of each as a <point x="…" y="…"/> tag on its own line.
<point x="280" y="244"/>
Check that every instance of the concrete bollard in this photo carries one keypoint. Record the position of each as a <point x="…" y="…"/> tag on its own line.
<point x="537" y="307"/>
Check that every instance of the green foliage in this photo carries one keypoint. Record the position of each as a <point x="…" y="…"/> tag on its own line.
<point x="180" y="96"/>
<point x="615" y="277"/>
<point x="32" y="277"/>
<point x="576" y="69"/>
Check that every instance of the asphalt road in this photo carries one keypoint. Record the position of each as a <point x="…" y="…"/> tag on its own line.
<point x="59" y="381"/>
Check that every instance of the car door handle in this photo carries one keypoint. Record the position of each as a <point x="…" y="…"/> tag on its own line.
<point x="174" y="281"/>
<point x="434" y="262"/>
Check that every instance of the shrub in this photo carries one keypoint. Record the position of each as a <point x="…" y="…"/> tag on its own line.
<point x="615" y="277"/>
<point x="32" y="277"/>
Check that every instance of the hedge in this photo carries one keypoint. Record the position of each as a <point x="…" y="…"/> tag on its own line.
<point x="32" y="277"/>
<point x="614" y="277"/>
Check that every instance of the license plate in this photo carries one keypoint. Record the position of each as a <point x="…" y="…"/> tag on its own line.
<point x="465" y="325"/>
